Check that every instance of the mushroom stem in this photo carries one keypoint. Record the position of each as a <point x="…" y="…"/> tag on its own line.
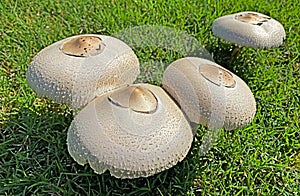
<point x="208" y="141"/>
<point x="235" y="53"/>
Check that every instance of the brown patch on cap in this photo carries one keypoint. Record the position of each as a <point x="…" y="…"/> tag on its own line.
<point x="138" y="99"/>
<point x="217" y="75"/>
<point x="83" y="46"/>
<point x="252" y="18"/>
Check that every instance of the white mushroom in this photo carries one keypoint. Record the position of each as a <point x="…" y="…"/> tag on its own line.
<point x="209" y="94"/>
<point x="134" y="131"/>
<point x="251" y="29"/>
<point x="76" y="69"/>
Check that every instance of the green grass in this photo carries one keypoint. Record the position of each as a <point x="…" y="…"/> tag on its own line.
<point x="260" y="159"/>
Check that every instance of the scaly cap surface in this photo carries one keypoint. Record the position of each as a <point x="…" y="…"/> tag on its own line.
<point x="209" y="94"/>
<point x="135" y="135"/>
<point x="74" y="70"/>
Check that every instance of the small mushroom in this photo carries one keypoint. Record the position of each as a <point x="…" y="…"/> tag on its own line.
<point x="134" y="131"/>
<point x="250" y="29"/>
<point x="74" y="70"/>
<point x="209" y="94"/>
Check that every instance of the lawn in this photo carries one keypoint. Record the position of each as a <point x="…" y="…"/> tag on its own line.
<point x="260" y="159"/>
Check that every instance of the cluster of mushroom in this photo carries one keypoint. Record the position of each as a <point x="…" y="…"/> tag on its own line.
<point x="134" y="130"/>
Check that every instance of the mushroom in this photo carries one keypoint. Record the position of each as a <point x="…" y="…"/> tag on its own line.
<point x="76" y="69"/>
<point x="209" y="94"/>
<point x="250" y="29"/>
<point x="133" y="131"/>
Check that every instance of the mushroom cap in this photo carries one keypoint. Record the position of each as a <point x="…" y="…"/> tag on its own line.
<point x="134" y="131"/>
<point x="251" y="29"/>
<point x="76" y="69"/>
<point x="209" y="94"/>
